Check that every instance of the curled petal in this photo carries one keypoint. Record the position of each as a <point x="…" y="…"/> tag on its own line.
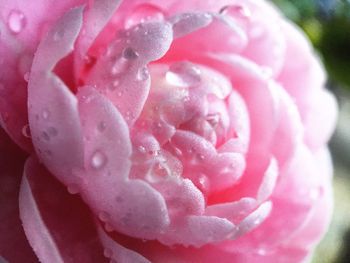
<point x="53" y="111"/>
<point x="129" y="206"/>
<point x="185" y="24"/>
<point x="122" y="74"/>
<point x="117" y="252"/>
<point x="97" y="15"/>
<point x="53" y="220"/>
<point x="198" y="231"/>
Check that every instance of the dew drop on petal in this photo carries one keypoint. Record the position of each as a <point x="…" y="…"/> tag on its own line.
<point x="114" y="85"/>
<point x="239" y="11"/>
<point x="98" y="160"/>
<point x="52" y="131"/>
<point x="26" y="76"/>
<point x="130" y="54"/>
<point x="200" y="157"/>
<point x="142" y="149"/>
<point x="183" y="74"/>
<point x="73" y="189"/>
<point x="101" y="126"/>
<point x="45" y="136"/>
<point x="16" y="21"/>
<point x="213" y="119"/>
<point x="58" y="35"/>
<point x="142" y="74"/>
<point x="107" y="253"/>
<point x="142" y="13"/>
<point x="203" y="183"/>
<point x="119" y="66"/>
<point x="178" y="152"/>
<point x="109" y="228"/>
<point x="103" y="216"/>
<point x="26" y="131"/>
<point x="45" y="114"/>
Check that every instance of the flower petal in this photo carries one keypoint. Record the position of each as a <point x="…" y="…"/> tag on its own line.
<point x="53" y="111"/>
<point x="57" y="225"/>
<point x="12" y="237"/>
<point x="21" y="30"/>
<point x="121" y="72"/>
<point x="97" y="15"/>
<point x="129" y="206"/>
<point x="116" y="252"/>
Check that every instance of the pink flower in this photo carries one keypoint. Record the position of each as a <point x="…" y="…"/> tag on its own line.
<point x="160" y="131"/>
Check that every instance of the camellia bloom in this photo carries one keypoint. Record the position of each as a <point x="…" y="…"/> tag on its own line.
<point x="160" y="131"/>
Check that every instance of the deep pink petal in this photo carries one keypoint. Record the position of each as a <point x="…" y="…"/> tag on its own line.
<point x="12" y="238"/>
<point x="58" y="225"/>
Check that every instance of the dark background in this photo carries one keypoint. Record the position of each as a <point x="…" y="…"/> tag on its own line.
<point x="327" y="24"/>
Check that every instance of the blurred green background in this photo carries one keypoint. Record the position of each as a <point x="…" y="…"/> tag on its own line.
<point x="327" y="23"/>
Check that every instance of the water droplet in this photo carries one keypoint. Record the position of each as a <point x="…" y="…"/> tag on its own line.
<point x="26" y="76"/>
<point x="213" y="119"/>
<point x="98" y="160"/>
<point x="103" y="216"/>
<point x="178" y="152"/>
<point x="239" y="11"/>
<point x="101" y="126"/>
<point x="45" y="114"/>
<point x="119" y="66"/>
<point x="130" y="54"/>
<point x="142" y="149"/>
<point x="45" y="136"/>
<point x="114" y="85"/>
<point x="200" y="157"/>
<point x="16" y="21"/>
<point x="52" y="131"/>
<point x="107" y="252"/>
<point x="109" y="228"/>
<point x="143" y="13"/>
<point x="142" y="74"/>
<point x="58" y="35"/>
<point x="183" y="74"/>
<point x="73" y="189"/>
<point x="186" y="99"/>
<point x="203" y="181"/>
<point x="26" y="131"/>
